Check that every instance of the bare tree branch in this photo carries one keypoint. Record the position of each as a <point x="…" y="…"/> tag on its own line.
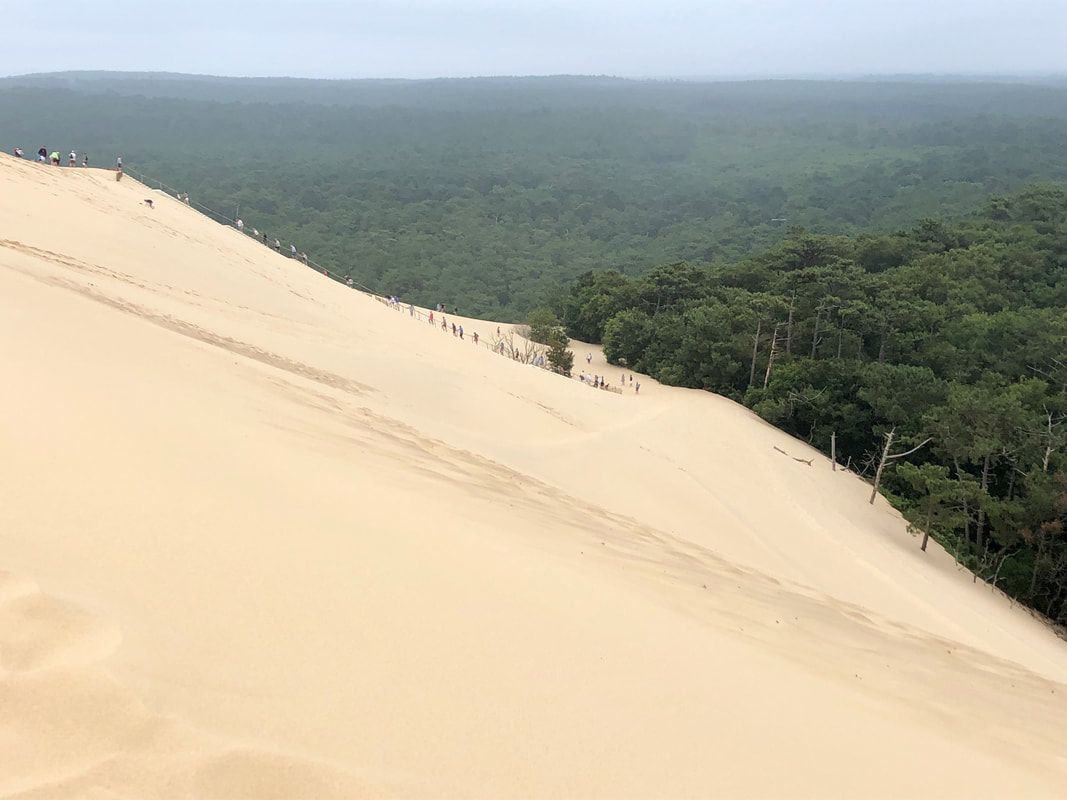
<point x="919" y="446"/>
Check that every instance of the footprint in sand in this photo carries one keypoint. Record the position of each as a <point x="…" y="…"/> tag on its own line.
<point x="38" y="631"/>
<point x="69" y="729"/>
<point x="59" y="724"/>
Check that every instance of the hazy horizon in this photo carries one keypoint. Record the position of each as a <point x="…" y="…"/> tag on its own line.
<point x="1021" y="76"/>
<point x="424" y="39"/>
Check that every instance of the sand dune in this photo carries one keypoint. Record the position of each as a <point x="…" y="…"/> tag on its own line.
<point x="265" y="537"/>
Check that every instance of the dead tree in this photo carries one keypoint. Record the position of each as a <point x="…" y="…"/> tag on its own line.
<point x="870" y="460"/>
<point x="824" y="313"/>
<point x="1051" y="437"/>
<point x="888" y="458"/>
<point x="987" y="468"/>
<point x="516" y="346"/>
<point x="770" y="357"/>
<point x="755" y="353"/>
<point x="1054" y="371"/>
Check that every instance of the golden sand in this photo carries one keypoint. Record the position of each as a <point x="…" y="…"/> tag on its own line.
<point x="264" y="537"/>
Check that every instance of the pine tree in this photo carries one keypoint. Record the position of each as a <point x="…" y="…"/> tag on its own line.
<point x="559" y="356"/>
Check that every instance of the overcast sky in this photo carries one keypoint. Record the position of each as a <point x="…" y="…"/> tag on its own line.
<point x="639" y="38"/>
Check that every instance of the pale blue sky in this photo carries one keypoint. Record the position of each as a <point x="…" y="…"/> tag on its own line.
<point x="430" y="38"/>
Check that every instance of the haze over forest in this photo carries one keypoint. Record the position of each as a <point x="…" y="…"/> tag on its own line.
<point x="491" y="194"/>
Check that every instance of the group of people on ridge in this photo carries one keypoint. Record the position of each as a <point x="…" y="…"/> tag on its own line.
<point x="538" y="360"/>
<point x="53" y="158"/>
<point x="44" y="157"/>
<point x="261" y="236"/>
<point x="599" y="382"/>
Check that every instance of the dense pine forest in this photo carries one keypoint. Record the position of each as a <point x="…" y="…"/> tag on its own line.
<point x="879" y="268"/>
<point x="491" y="193"/>
<point x="945" y="342"/>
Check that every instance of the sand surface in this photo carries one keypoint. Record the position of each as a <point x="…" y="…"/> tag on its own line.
<point x="264" y="537"/>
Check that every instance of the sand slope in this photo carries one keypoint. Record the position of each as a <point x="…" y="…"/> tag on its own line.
<point x="264" y="537"/>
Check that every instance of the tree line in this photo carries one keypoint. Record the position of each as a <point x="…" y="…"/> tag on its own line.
<point x="932" y="360"/>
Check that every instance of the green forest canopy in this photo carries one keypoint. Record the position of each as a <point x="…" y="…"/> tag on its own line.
<point x="950" y="337"/>
<point x="489" y="194"/>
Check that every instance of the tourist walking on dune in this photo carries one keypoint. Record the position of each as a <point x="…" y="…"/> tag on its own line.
<point x="118" y="163"/>
<point x="453" y="329"/>
<point x="292" y="251"/>
<point x="72" y="159"/>
<point x="85" y="159"/>
<point x="55" y="158"/>
<point x="588" y="358"/>
<point x="460" y="331"/>
<point x="431" y="318"/>
<point x="476" y="337"/>
<point x="241" y="225"/>
<point x="637" y="388"/>
<point x="42" y="155"/>
<point x="18" y="152"/>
